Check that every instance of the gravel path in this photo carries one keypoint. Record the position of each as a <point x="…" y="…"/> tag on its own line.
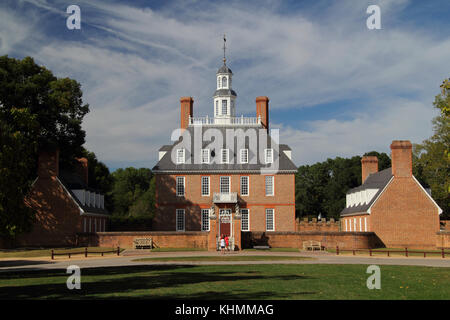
<point x="28" y="264"/>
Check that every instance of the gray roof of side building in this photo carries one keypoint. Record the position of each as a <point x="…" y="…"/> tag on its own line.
<point x="225" y="92"/>
<point x="166" y="165"/>
<point x="72" y="181"/>
<point x="377" y="180"/>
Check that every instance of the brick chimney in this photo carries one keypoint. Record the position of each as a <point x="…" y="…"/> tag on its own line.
<point x="187" y="109"/>
<point x="48" y="164"/>
<point x="401" y="158"/>
<point x="262" y="110"/>
<point x="82" y="169"/>
<point x="369" y="165"/>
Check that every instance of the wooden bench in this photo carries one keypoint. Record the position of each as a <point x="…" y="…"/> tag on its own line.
<point x="143" y="243"/>
<point x="312" y="245"/>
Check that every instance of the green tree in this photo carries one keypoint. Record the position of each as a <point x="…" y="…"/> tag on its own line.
<point x="130" y="185"/>
<point x="55" y="103"/>
<point x="16" y="161"/>
<point x="321" y="188"/>
<point x="431" y="158"/>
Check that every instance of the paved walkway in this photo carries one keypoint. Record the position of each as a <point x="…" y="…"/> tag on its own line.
<point x="28" y="264"/>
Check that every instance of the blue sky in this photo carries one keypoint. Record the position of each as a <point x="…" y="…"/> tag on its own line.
<point x="335" y="87"/>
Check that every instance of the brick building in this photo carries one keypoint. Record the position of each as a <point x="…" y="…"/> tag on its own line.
<point x="225" y="174"/>
<point x="63" y="204"/>
<point x="392" y="203"/>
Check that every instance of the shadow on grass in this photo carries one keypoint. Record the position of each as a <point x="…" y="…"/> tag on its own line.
<point x="122" y="283"/>
<point x="18" y="263"/>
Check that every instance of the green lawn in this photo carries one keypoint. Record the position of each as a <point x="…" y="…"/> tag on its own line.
<point x="223" y="258"/>
<point x="33" y="253"/>
<point x="275" y="250"/>
<point x="176" y="249"/>
<point x="274" y="281"/>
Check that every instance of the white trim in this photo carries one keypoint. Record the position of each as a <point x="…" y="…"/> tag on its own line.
<point x="184" y="186"/>
<point x="345" y="224"/>
<point x="273" y="218"/>
<point x="248" y="219"/>
<point x="209" y="158"/>
<point x="382" y="191"/>
<point x="209" y="223"/>
<point x="183" y="159"/>
<point x="360" y="224"/>
<point x="228" y="156"/>
<point x="365" y="224"/>
<point x="429" y="196"/>
<point x="176" y="220"/>
<point x="248" y="186"/>
<point x="220" y="184"/>
<point x="209" y="186"/>
<point x="221" y="171"/>
<point x="246" y="155"/>
<point x="273" y="186"/>
<point x="265" y="156"/>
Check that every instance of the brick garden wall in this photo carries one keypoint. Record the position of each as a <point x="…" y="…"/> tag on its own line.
<point x="345" y="240"/>
<point x="161" y="239"/>
<point x="314" y="225"/>
<point x="443" y="240"/>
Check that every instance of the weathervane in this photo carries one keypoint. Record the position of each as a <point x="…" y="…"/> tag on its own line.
<point x="224" y="47"/>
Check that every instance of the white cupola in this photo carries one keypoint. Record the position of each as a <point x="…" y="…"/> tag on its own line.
<point x="224" y="96"/>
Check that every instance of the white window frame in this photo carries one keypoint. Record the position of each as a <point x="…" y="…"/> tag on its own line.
<point x="360" y="224"/>
<point x="248" y="186"/>
<point x="273" y="219"/>
<point x="273" y="186"/>
<point x="178" y="179"/>
<point x="268" y="159"/>
<point x="248" y="219"/>
<point x="227" y="151"/>
<point x="346" y="229"/>
<point x="365" y="224"/>
<point x="181" y="158"/>
<point x="207" y="152"/>
<point x="229" y="184"/>
<point x="224" y="104"/>
<point x="205" y="212"/>
<point x="177" y="212"/>
<point x="354" y="224"/>
<point x="243" y="152"/>
<point x="202" y="185"/>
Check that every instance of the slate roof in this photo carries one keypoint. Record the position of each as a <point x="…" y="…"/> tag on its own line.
<point x="225" y="92"/>
<point x="377" y="180"/>
<point x="72" y="181"/>
<point x="224" y="69"/>
<point x="166" y="165"/>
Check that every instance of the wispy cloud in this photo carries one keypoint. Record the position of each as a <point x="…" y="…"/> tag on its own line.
<point x="134" y="63"/>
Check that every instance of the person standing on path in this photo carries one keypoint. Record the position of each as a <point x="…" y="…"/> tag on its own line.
<point x="222" y="244"/>
<point x="227" y="243"/>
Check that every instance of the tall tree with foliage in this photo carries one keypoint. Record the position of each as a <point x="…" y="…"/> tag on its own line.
<point x="432" y="157"/>
<point x="37" y="111"/>
<point x="132" y="192"/>
<point x="16" y="162"/>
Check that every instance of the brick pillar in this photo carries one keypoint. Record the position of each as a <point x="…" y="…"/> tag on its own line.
<point x="187" y="107"/>
<point x="262" y="110"/>
<point x="212" y="234"/>
<point x="82" y="169"/>
<point x="237" y="233"/>
<point x="369" y="165"/>
<point x="401" y="158"/>
<point x="48" y="164"/>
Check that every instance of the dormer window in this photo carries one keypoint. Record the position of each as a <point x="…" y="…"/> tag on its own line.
<point x="269" y="155"/>
<point x="180" y="156"/>
<point x="218" y="82"/>
<point x="224" y="82"/>
<point x="205" y="155"/>
<point x="225" y="155"/>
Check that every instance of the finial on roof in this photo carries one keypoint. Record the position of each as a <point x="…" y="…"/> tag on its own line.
<point x="224" y="48"/>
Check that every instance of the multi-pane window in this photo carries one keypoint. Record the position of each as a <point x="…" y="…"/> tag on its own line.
<point x="224" y="184"/>
<point x="269" y="185"/>
<point x="270" y="220"/>
<point x="217" y="107"/>
<point x="244" y="186"/>
<point x="244" y="156"/>
<point x="205" y="155"/>
<point x="205" y="219"/>
<point x="180" y="186"/>
<point x="180" y="220"/>
<point x="225" y="155"/>
<point x="224" y="82"/>
<point x="269" y="155"/>
<point x="245" y="220"/>
<point x="224" y="107"/>
<point x="205" y="186"/>
<point x="180" y="156"/>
